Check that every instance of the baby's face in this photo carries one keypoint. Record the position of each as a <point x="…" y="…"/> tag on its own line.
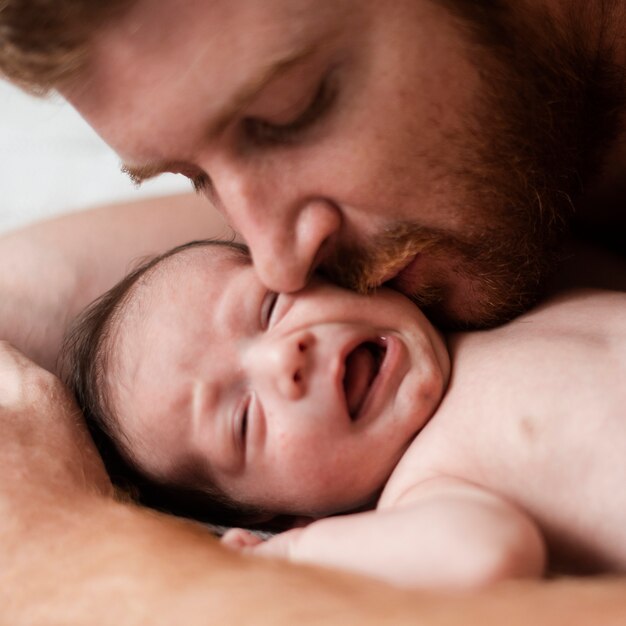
<point x="296" y="403"/>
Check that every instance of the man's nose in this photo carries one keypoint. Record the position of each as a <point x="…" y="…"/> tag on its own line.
<point x="287" y="232"/>
<point x="283" y="364"/>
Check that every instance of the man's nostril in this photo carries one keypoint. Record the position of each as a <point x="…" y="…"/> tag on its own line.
<point x="297" y="377"/>
<point x="301" y="346"/>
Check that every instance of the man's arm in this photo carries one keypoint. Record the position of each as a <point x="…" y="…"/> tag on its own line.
<point x="444" y="533"/>
<point x="51" y="270"/>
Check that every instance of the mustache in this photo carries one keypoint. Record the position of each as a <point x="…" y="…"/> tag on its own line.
<point x="364" y="267"/>
<point x="504" y="269"/>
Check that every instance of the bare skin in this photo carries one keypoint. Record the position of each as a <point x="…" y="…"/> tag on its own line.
<point x="360" y="142"/>
<point x="60" y="522"/>
<point x="525" y="448"/>
<point x="48" y="502"/>
<point x="280" y="402"/>
<point x="569" y="601"/>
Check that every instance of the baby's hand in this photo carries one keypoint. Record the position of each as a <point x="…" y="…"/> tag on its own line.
<point x="240" y="539"/>
<point x="280" y="545"/>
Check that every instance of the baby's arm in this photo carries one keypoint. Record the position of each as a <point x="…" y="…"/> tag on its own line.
<point x="442" y="533"/>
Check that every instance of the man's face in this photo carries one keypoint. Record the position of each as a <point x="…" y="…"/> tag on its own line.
<point x="293" y="403"/>
<point x="362" y="137"/>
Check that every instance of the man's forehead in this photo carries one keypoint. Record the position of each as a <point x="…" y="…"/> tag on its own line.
<point x="158" y="64"/>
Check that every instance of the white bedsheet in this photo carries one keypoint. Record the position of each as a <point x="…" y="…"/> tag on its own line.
<point x="52" y="162"/>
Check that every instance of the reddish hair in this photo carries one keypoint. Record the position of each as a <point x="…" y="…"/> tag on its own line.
<point x="44" y="43"/>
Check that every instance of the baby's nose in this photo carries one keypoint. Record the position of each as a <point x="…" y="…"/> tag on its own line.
<point x="286" y="364"/>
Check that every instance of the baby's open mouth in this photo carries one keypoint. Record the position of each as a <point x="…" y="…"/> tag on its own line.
<point x="361" y="368"/>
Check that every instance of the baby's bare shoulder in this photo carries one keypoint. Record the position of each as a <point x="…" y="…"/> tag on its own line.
<point x="575" y="343"/>
<point x="526" y="390"/>
<point x="585" y="311"/>
<point x="577" y="331"/>
<point x="534" y="411"/>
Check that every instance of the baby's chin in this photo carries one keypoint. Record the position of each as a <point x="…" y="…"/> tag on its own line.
<point x="352" y="503"/>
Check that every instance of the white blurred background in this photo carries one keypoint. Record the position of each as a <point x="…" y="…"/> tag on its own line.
<point x="52" y="162"/>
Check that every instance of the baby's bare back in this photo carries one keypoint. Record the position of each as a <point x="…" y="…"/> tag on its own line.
<point x="536" y="412"/>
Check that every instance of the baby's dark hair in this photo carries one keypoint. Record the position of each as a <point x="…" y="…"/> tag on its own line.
<point x="83" y="365"/>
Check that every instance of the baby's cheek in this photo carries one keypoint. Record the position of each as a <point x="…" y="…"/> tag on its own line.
<point x="307" y="463"/>
<point x="427" y="387"/>
<point x="438" y="386"/>
<point x="432" y="389"/>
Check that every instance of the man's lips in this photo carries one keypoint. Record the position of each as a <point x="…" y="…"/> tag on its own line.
<point x="394" y="271"/>
<point x="403" y="276"/>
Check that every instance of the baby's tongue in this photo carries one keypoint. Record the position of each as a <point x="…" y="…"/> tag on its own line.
<point x="360" y="368"/>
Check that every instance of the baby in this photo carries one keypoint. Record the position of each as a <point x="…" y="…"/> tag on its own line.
<point x="211" y="393"/>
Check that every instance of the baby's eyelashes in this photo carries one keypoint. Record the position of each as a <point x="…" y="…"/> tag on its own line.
<point x="240" y="425"/>
<point x="267" y="309"/>
<point x="243" y="429"/>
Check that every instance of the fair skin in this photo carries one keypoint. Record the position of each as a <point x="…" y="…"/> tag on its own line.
<point x="567" y="599"/>
<point x="54" y="508"/>
<point x="529" y="438"/>
<point x="257" y="382"/>
<point x="383" y="135"/>
<point x="68" y="543"/>
<point x="68" y="546"/>
<point x="449" y="514"/>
